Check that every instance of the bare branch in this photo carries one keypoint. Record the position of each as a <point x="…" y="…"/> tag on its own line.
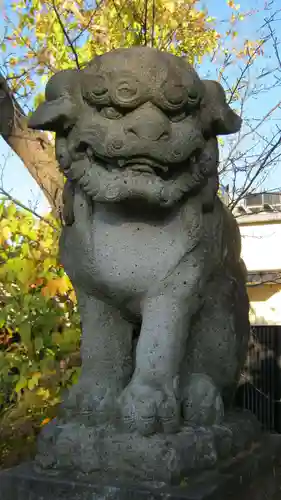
<point x="66" y="35"/>
<point x="260" y="169"/>
<point x="145" y="20"/>
<point x="153" y="22"/>
<point x="9" y="197"/>
<point x="85" y="28"/>
<point x="245" y="69"/>
<point x="274" y="43"/>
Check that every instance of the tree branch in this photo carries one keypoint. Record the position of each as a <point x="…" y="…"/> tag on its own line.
<point x="34" y="148"/>
<point x="66" y="35"/>
<point x="9" y="197"/>
<point x="261" y="167"/>
<point x="153" y="22"/>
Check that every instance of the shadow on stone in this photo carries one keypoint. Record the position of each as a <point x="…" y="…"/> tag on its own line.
<point x="253" y="475"/>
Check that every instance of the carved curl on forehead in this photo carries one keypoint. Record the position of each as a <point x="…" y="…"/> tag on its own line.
<point x="95" y="88"/>
<point x="126" y="90"/>
<point x="173" y="94"/>
<point x="179" y="90"/>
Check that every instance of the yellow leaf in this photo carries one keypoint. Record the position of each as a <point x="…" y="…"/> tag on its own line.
<point x="55" y="286"/>
<point x="6" y="233"/>
<point x="43" y="393"/>
<point x="45" y="421"/>
<point x="33" y="381"/>
<point x="72" y="297"/>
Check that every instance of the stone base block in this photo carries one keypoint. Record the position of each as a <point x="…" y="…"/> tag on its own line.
<point x="253" y="475"/>
<point x="112" y="454"/>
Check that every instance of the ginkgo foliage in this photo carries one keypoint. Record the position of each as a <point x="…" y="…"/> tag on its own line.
<point x="42" y="37"/>
<point x="39" y="323"/>
<point x="58" y="34"/>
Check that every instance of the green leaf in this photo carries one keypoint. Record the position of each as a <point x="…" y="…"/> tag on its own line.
<point x="21" y="384"/>
<point x="75" y="376"/>
<point x="2" y="205"/>
<point x="11" y="210"/>
<point x="33" y="381"/>
<point x="38" y="344"/>
<point x="3" y="318"/>
<point x="25" y="333"/>
<point x="25" y="249"/>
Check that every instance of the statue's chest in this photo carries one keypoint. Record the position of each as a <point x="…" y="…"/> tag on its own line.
<point x="122" y="255"/>
<point x="135" y="253"/>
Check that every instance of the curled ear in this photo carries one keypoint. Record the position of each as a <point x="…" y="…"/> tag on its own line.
<point x="216" y="113"/>
<point x="51" y="115"/>
<point x="61" y="94"/>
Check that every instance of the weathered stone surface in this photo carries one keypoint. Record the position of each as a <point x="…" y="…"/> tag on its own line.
<point x="153" y="254"/>
<point x="254" y="475"/>
<point x="159" y="457"/>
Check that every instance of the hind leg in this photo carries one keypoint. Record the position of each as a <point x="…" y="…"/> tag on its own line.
<point x="216" y="351"/>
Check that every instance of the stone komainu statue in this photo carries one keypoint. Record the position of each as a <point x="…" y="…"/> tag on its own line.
<point x="152" y="252"/>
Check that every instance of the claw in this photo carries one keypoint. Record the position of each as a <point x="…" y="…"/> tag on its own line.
<point x="146" y="410"/>
<point x="202" y="403"/>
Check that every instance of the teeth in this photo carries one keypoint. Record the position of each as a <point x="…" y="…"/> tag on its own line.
<point x="142" y="168"/>
<point x="143" y="161"/>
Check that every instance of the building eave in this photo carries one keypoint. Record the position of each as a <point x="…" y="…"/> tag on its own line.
<point x="255" y="278"/>
<point x="259" y="218"/>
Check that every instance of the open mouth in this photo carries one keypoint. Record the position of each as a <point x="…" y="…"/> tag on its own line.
<point x="150" y="166"/>
<point x="144" y="165"/>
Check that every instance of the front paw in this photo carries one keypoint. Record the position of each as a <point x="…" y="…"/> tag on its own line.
<point x="88" y="397"/>
<point x="150" y="407"/>
<point x="202" y="403"/>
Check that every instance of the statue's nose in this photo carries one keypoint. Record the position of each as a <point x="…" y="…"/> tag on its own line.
<point x="149" y="123"/>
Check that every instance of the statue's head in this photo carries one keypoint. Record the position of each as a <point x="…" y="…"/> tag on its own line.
<point x="132" y="120"/>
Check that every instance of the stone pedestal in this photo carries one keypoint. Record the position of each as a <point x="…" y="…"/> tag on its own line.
<point x="252" y="475"/>
<point x="110" y="454"/>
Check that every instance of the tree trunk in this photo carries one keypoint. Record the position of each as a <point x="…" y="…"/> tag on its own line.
<point x="34" y="148"/>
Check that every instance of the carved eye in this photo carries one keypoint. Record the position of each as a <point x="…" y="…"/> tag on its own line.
<point x="110" y="113"/>
<point x="94" y="88"/>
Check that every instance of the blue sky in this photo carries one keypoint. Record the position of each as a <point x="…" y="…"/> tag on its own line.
<point x="18" y="181"/>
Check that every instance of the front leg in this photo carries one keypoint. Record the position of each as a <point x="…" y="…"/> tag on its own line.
<point x="106" y="359"/>
<point x="151" y="401"/>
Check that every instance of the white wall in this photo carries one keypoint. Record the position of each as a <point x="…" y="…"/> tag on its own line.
<point x="261" y="246"/>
